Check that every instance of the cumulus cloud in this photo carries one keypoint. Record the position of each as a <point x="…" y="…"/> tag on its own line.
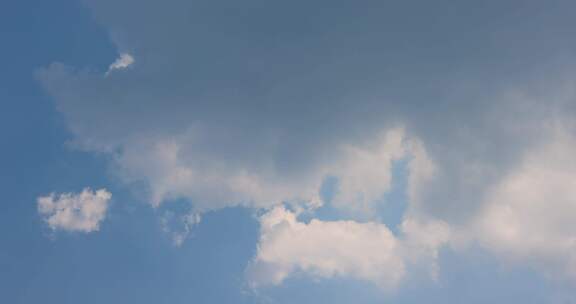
<point x="366" y="251"/>
<point x="82" y="212"/>
<point x="235" y="106"/>
<point x="363" y="250"/>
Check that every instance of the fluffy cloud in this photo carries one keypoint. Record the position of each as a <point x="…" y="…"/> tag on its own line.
<point x="364" y="174"/>
<point x="530" y="214"/>
<point x="80" y="212"/>
<point x="232" y="105"/>
<point x="366" y="251"/>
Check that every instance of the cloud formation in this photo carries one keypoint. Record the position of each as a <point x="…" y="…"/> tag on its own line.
<point x="81" y="212"/>
<point x="366" y="251"/>
<point x="256" y="104"/>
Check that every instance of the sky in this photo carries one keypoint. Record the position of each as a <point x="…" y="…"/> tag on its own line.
<point x="287" y="151"/>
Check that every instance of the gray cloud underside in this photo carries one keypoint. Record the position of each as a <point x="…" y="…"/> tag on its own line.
<point x="273" y="90"/>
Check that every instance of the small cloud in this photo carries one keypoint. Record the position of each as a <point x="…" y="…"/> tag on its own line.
<point x="81" y="212"/>
<point x="179" y="226"/>
<point x="125" y="60"/>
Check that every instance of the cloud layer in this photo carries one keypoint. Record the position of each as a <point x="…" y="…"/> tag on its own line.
<point x="256" y="104"/>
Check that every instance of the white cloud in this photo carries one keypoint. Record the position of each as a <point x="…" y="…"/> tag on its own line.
<point x="173" y="170"/>
<point x="81" y="212"/>
<point x="530" y="214"/>
<point x="365" y="172"/>
<point x="210" y="183"/>
<point x="326" y="249"/>
<point x="125" y="60"/>
<point x="222" y="115"/>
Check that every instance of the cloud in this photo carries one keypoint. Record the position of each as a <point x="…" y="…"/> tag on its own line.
<point x="325" y="249"/>
<point x="190" y="121"/>
<point x="82" y="212"/>
<point x="530" y="214"/>
<point x="125" y="60"/>
<point x="364" y="174"/>
<point x="179" y="226"/>
<point x="235" y="106"/>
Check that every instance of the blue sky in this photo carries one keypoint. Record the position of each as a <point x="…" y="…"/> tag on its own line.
<point x="287" y="152"/>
